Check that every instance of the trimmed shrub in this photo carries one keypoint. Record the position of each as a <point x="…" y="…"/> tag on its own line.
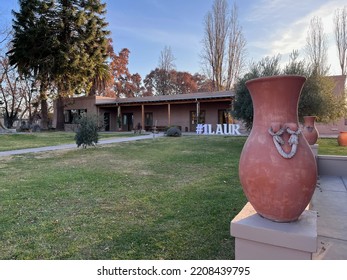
<point x="173" y="132"/>
<point x="87" y="131"/>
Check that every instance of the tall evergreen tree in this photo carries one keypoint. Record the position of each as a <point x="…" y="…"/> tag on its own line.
<point x="63" y="42"/>
<point x="99" y="50"/>
<point x="33" y="46"/>
<point x="83" y="45"/>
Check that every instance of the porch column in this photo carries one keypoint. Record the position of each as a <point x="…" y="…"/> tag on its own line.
<point x="100" y="122"/>
<point x="119" y="120"/>
<point x="169" y="114"/>
<point x="197" y="111"/>
<point x="143" y="116"/>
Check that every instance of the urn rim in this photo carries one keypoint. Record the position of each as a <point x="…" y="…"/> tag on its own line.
<point x="276" y="77"/>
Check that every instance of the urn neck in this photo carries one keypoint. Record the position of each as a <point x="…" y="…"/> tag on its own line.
<point x="309" y="120"/>
<point x="275" y="99"/>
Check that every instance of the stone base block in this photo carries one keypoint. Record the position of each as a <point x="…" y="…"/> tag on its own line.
<point x="257" y="238"/>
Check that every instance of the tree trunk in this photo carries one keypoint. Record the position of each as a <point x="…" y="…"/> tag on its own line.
<point x="44" y="114"/>
<point x="9" y="120"/>
<point x="44" y="106"/>
<point x="60" y="113"/>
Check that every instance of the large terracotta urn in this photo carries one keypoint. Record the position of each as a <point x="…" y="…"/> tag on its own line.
<point x="309" y="129"/>
<point x="342" y="138"/>
<point x="277" y="168"/>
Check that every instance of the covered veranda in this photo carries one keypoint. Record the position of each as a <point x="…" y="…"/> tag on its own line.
<point x="159" y="112"/>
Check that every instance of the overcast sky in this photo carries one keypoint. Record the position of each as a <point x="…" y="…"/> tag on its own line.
<point x="270" y="27"/>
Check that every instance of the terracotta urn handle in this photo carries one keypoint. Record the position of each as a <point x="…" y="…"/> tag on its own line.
<point x="276" y="131"/>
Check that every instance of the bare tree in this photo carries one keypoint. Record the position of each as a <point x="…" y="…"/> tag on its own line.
<point x="340" y="21"/>
<point x="13" y="93"/>
<point x="223" y="45"/>
<point x="236" y="49"/>
<point x="214" y="42"/>
<point x="166" y="59"/>
<point x="316" y="47"/>
<point x="5" y="33"/>
<point x="163" y="74"/>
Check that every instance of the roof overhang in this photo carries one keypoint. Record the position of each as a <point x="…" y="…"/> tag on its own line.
<point x="160" y="99"/>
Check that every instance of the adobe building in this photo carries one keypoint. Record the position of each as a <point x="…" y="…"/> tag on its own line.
<point x="335" y="127"/>
<point x="182" y="110"/>
<point x="127" y="114"/>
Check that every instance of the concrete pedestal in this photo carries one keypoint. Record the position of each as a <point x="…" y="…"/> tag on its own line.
<point x="257" y="238"/>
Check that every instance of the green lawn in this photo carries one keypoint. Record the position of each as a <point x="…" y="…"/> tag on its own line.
<point x="34" y="140"/>
<point x="167" y="198"/>
<point x="163" y="198"/>
<point x="329" y="146"/>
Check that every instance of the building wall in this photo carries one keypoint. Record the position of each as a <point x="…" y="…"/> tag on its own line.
<point x="160" y="114"/>
<point x="180" y="114"/>
<point x="113" y="120"/>
<point x="81" y="103"/>
<point x="212" y="109"/>
<point x="113" y="117"/>
<point x="78" y="103"/>
<point x="332" y="128"/>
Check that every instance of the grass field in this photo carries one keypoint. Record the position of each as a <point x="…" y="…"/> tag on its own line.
<point x="34" y="140"/>
<point x="329" y="146"/>
<point x="168" y="198"/>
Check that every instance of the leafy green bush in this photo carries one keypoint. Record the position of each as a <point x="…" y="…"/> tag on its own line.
<point x="173" y="132"/>
<point x="316" y="99"/>
<point x="87" y="131"/>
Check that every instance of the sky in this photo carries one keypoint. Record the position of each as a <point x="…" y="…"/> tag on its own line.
<point x="270" y="27"/>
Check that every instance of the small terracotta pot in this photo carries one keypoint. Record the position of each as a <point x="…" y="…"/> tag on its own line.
<point x="310" y="131"/>
<point x="342" y="138"/>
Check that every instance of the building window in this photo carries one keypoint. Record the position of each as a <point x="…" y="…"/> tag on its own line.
<point x="71" y="116"/>
<point x="67" y="116"/>
<point x="148" y="119"/>
<point x="194" y="118"/>
<point x="225" y="116"/>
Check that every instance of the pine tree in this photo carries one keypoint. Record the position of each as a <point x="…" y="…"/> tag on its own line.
<point x="98" y="50"/>
<point x="63" y="43"/>
<point x="83" y="44"/>
<point x="33" y="46"/>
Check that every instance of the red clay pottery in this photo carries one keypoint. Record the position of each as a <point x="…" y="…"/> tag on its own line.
<point x="277" y="168"/>
<point x="342" y="138"/>
<point x="309" y="130"/>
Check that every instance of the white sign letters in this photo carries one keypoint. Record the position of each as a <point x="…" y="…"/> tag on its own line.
<point x="221" y="129"/>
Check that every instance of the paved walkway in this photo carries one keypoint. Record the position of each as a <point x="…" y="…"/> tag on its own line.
<point x="74" y="146"/>
<point x="330" y="201"/>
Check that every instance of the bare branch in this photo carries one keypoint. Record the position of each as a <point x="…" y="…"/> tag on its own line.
<point x="316" y="46"/>
<point x="236" y="49"/>
<point x="166" y="59"/>
<point x="340" y="21"/>
<point x="223" y="45"/>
